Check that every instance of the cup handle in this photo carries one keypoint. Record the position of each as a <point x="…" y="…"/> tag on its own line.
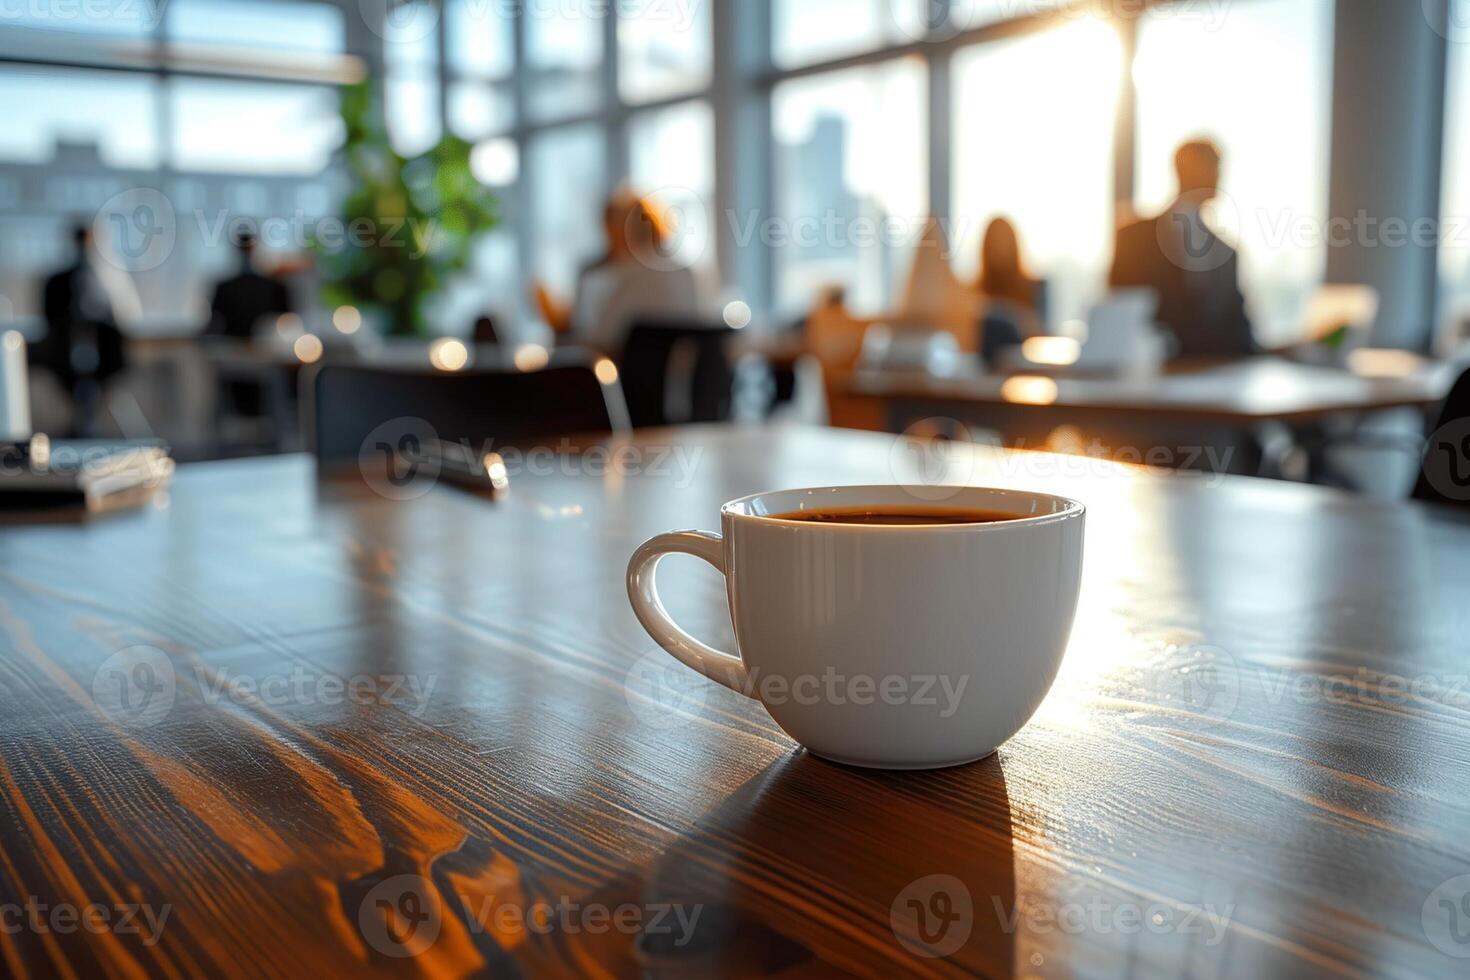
<point x="725" y="668"/>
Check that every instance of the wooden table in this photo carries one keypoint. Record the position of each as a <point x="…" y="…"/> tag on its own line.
<point x="1262" y="389"/>
<point x="286" y="729"/>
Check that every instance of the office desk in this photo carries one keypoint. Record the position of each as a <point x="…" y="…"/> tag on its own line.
<point x="310" y="731"/>
<point x="1262" y="389"/>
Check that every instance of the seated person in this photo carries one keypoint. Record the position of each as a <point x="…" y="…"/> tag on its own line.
<point x="934" y="297"/>
<point x="85" y="305"/>
<point x="635" y="280"/>
<point x="484" y="331"/>
<point x="1006" y="288"/>
<point x="242" y="300"/>
<point x="557" y="313"/>
<point x="1195" y="274"/>
<point x="239" y="303"/>
<point x="833" y="335"/>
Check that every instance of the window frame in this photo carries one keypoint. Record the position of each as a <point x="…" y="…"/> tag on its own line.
<point x="739" y="90"/>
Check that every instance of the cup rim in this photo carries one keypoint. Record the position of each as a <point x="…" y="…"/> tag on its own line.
<point x="1069" y="509"/>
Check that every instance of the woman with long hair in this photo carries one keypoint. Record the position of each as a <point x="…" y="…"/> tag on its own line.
<point x="1003" y="273"/>
<point x="1011" y="299"/>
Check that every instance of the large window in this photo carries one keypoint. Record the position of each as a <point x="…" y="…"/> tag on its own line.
<point x="967" y="15"/>
<point x="215" y="117"/>
<point x="1454" y="246"/>
<point x="480" y="47"/>
<point x="411" y="92"/>
<point x="278" y="24"/>
<point x="672" y="161"/>
<point x="257" y="128"/>
<point x="564" y="52"/>
<point x="1272" y="122"/>
<point x="1033" y="141"/>
<point x="805" y="31"/>
<point x="480" y="41"/>
<point x="567" y="197"/>
<point x="663" y="48"/>
<point x="114" y="113"/>
<point x="1033" y="110"/>
<point x="102" y="19"/>
<point x="852" y="187"/>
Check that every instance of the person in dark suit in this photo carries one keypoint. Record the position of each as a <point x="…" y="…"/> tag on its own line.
<point x="244" y="298"/>
<point x="239" y="303"/>
<point x="83" y="345"/>
<point x="1194" y="272"/>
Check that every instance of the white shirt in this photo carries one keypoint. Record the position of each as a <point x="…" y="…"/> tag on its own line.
<point x="610" y="298"/>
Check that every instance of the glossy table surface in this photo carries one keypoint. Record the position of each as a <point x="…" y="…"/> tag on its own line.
<point x="281" y="728"/>
<point x="1254" y="390"/>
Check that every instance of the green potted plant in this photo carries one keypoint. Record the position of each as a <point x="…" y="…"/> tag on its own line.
<point x="408" y="224"/>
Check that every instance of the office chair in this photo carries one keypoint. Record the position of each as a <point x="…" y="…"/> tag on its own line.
<point x="1002" y="326"/>
<point x="1445" y="476"/>
<point x="999" y="332"/>
<point x="651" y="379"/>
<point x="344" y="403"/>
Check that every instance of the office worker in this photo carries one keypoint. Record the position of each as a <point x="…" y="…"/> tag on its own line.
<point x="1005" y="285"/>
<point x="642" y="282"/>
<point x="933" y="297"/>
<point x="239" y="303"/>
<point x="558" y="312"/>
<point x="1195" y="274"/>
<point x="633" y="279"/>
<point x="248" y="296"/>
<point x="84" y="304"/>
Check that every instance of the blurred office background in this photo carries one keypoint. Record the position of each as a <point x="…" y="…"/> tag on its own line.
<point x="800" y="144"/>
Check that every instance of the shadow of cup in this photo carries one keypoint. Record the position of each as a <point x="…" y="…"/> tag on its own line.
<point x="865" y="870"/>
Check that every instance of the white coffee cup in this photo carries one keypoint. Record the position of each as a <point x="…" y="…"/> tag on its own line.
<point x="888" y="646"/>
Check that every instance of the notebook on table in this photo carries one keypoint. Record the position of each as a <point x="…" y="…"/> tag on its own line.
<point x="98" y="475"/>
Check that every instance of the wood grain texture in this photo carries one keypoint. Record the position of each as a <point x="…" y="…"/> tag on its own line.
<point x="1228" y="780"/>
